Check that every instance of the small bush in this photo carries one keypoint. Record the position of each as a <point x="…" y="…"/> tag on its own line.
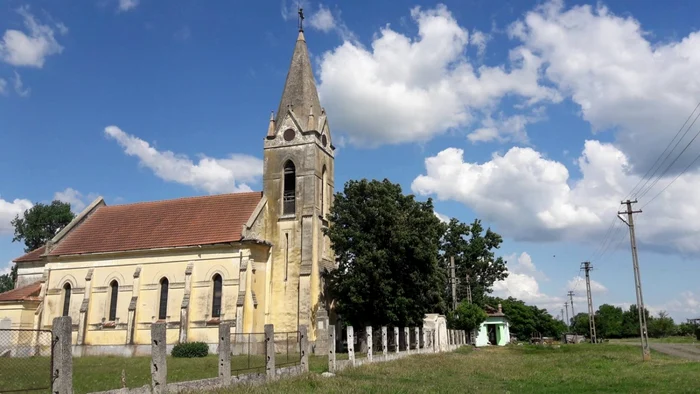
<point x="697" y="333"/>
<point x="190" y="349"/>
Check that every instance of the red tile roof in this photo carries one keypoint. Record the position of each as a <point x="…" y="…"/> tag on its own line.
<point x="188" y="221"/>
<point x="34" y="255"/>
<point x="26" y="293"/>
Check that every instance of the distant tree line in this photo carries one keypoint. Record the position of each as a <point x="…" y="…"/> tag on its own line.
<point x="614" y="322"/>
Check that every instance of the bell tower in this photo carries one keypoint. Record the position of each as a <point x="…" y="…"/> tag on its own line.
<point x="298" y="184"/>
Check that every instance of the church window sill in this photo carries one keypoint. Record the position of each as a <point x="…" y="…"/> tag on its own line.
<point x="213" y="322"/>
<point x="289" y="216"/>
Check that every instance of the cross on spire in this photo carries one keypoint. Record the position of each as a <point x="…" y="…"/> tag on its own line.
<point x="301" y="19"/>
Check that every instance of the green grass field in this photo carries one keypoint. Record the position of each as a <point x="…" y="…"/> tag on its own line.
<point x="580" y="368"/>
<point x="565" y="369"/>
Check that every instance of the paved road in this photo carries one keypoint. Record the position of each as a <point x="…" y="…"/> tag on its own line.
<point x="688" y="351"/>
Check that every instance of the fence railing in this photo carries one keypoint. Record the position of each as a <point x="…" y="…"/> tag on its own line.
<point x="247" y="352"/>
<point x="287" y="348"/>
<point x="25" y="360"/>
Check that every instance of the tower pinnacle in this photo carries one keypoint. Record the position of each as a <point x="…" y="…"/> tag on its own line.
<point x="299" y="95"/>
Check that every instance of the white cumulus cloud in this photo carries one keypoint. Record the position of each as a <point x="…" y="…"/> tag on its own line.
<point x="211" y="175"/>
<point x="408" y="89"/>
<point x="322" y="19"/>
<point x="77" y="200"/>
<point x="30" y="48"/>
<point x="9" y="210"/>
<point x="621" y="80"/>
<point x="522" y="282"/>
<point x="530" y="197"/>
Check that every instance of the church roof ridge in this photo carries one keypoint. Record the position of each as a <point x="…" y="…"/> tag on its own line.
<point x="162" y="224"/>
<point x="183" y="198"/>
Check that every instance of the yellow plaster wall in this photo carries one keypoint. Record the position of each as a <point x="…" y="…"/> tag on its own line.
<point x="154" y="266"/>
<point x="21" y="314"/>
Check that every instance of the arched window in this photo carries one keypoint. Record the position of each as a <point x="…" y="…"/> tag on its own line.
<point x="163" y="306"/>
<point x="66" y="299"/>
<point x="324" y="194"/>
<point x="113" y="300"/>
<point x="288" y="197"/>
<point x="216" y="304"/>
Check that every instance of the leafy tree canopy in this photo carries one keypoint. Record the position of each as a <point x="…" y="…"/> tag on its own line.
<point x="7" y="281"/>
<point x="40" y="223"/>
<point x="467" y="316"/>
<point x="475" y="261"/>
<point x="386" y="245"/>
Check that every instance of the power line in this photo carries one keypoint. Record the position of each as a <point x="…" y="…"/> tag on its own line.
<point x="643" y="193"/>
<point x="674" y="179"/>
<point x="662" y="153"/>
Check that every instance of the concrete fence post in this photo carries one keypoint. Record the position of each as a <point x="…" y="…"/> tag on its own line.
<point x="416" y="335"/>
<point x="396" y="338"/>
<point x="331" y="348"/>
<point x="464" y="337"/>
<point x="385" y="347"/>
<point x="159" y="365"/>
<point x="62" y="356"/>
<point x="351" y="344"/>
<point x="406" y="340"/>
<point x="304" y="347"/>
<point x="425" y="339"/>
<point x="270" y="351"/>
<point x="370" y="342"/>
<point x="225" y="353"/>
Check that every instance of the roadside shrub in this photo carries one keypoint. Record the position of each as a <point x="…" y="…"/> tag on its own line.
<point x="697" y="333"/>
<point x="190" y="349"/>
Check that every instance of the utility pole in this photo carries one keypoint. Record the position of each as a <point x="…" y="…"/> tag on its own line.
<point x="469" y="290"/>
<point x="562" y="314"/>
<point x="454" y="282"/>
<point x="591" y="317"/>
<point x="646" y="354"/>
<point x="571" y="297"/>
<point x="566" y="305"/>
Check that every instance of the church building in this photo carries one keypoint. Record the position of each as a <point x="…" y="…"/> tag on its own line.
<point x="249" y="259"/>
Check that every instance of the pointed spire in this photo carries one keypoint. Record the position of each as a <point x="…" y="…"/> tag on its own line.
<point x="300" y="88"/>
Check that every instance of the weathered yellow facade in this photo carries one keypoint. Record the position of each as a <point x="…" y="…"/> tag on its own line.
<point x="271" y="276"/>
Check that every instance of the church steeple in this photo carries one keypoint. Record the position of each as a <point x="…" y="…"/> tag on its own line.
<point x="299" y="94"/>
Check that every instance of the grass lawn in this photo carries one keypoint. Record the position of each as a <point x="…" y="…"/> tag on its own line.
<point x="568" y="369"/>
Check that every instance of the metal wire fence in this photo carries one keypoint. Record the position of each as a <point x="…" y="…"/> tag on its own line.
<point x="248" y="352"/>
<point x="287" y="348"/>
<point x="25" y="360"/>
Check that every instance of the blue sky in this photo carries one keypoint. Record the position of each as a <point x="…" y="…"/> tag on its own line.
<point x="536" y="117"/>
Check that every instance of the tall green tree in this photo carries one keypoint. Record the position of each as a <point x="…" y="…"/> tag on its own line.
<point x="467" y="316"/>
<point x="580" y="324"/>
<point x="40" y="223"/>
<point x="386" y="245"/>
<point x="630" y="321"/>
<point x="473" y="249"/>
<point x="609" y="321"/>
<point x="661" y="326"/>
